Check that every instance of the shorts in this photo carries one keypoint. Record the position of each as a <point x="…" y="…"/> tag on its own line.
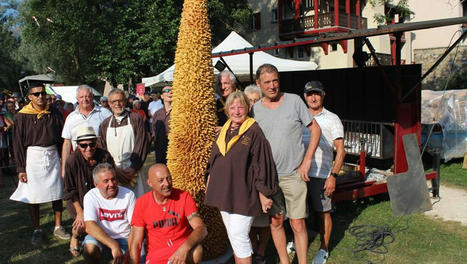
<point x="320" y="202"/>
<point x="238" y="228"/>
<point x="261" y="221"/>
<point x="294" y="193"/>
<point x="122" y="242"/>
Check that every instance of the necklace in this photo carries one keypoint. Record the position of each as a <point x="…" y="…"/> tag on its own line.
<point x="164" y="208"/>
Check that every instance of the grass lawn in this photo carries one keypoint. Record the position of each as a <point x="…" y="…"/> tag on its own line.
<point x="418" y="239"/>
<point x="453" y="175"/>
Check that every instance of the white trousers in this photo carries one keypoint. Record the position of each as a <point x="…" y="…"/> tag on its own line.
<point x="238" y="228"/>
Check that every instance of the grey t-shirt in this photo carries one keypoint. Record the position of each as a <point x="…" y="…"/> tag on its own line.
<point x="283" y="129"/>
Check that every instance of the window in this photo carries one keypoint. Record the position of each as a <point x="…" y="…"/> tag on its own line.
<point x="300" y="52"/>
<point x="274" y="15"/>
<point x="333" y="46"/>
<point x="308" y="4"/>
<point x="256" y="21"/>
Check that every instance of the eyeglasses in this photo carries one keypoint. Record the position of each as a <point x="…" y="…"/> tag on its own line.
<point x="85" y="146"/>
<point x="36" y="94"/>
<point x="166" y="90"/>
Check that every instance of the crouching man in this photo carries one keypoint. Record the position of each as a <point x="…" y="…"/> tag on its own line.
<point x="170" y="218"/>
<point x="107" y="213"/>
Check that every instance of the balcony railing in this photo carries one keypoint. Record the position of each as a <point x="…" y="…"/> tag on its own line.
<point x="307" y="23"/>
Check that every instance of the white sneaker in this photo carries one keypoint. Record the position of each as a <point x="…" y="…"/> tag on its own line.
<point x="321" y="257"/>
<point x="290" y="247"/>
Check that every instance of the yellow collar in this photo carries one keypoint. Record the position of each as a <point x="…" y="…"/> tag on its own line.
<point x="29" y="109"/>
<point x="221" y="139"/>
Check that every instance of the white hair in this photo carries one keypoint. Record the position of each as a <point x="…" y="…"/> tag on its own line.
<point x="252" y="88"/>
<point x="229" y="74"/>
<point x="84" y="87"/>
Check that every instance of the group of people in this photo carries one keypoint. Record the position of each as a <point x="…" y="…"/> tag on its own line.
<point x="257" y="174"/>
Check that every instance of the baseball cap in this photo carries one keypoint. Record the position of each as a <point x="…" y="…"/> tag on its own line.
<point x="314" y="86"/>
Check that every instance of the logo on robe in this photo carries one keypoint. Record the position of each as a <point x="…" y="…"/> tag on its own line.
<point x="111" y="215"/>
<point x="245" y="141"/>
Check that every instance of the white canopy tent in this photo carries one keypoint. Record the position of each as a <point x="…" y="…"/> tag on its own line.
<point x="68" y="93"/>
<point x="240" y="64"/>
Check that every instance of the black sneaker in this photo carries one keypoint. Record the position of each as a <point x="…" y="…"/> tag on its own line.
<point x="36" y="237"/>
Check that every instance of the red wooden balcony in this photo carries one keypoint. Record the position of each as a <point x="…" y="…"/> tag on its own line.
<point x="305" y="25"/>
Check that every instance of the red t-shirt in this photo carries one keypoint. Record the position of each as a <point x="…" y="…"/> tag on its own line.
<point x="139" y="112"/>
<point x="167" y="225"/>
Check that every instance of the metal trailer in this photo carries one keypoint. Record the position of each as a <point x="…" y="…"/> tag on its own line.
<point x="378" y="105"/>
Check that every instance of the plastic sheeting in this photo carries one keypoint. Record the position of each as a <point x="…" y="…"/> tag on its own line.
<point x="449" y="110"/>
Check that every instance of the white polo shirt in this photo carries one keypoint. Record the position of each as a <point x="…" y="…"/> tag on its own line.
<point x="331" y="129"/>
<point x="76" y="120"/>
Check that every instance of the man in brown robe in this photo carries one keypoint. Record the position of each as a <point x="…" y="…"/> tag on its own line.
<point x="123" y="135"/>
<point x="78" y="178"/>
<point x="36" y="143"/>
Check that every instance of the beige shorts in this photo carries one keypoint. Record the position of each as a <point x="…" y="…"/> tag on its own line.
<point x="292" y="197"/>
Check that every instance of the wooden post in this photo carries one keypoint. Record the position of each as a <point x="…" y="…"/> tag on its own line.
<point x="464" y="166"/>
<point x="336" y="13"/>
<point x="315" y="5"/>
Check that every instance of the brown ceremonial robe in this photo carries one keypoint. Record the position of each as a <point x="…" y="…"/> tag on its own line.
<point x="246" y="169"/>
<point x="141" y="147"/>
<point x="30" y="131"/>
<point x="78" y="174"/>
<point x="161" y="129"/>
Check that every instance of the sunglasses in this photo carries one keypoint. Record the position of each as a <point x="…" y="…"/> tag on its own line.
<point x="36" y="94"/>
<point x="166" y="90"/>
<point x="85" y="146"/>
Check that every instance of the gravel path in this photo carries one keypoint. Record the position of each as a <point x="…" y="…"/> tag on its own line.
<point x="452" y="206"/>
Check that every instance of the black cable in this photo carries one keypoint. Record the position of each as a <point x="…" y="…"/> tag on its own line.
<point x="372" y="238"/>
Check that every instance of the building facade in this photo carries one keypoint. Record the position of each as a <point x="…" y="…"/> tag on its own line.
<point x="280" y="20"/>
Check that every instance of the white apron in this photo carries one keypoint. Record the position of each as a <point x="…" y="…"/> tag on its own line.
<point x="120" y="144"/>
<point x="44" y="179"/>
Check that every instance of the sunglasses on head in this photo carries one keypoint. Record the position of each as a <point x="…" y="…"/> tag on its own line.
<point x="166" y="90"/>
<point x="36" y="94"/>
<point x="85" y="146"/>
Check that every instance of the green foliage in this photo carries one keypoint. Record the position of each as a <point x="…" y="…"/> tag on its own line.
<point x="401" y="8"/>
<point x="459" y="80"/>
<point x="119" y="41"/>
<point x="10" y="68"/>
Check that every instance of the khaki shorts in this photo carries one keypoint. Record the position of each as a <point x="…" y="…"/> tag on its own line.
<point x="291" y="198"/>
<point x="320" y="202"/>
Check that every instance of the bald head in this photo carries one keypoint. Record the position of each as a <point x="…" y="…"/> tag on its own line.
<point x="159" y="180"/>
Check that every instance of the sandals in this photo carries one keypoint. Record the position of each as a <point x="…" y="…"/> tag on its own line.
<point x="74" y="251"/>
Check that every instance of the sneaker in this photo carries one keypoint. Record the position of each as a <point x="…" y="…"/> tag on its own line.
<point x="290" y="247"/>
<point x="36" y="237"/>
<point x="321" y="257"/>
<point x="61" y="233"/>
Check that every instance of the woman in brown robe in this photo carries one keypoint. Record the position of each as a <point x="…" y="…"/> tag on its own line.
<point x="241" y="175"/>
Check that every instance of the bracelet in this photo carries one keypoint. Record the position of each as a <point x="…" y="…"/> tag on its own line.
<point x="334" y="174"/>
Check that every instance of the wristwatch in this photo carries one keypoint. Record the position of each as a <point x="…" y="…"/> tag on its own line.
<point x="334" y="174"/>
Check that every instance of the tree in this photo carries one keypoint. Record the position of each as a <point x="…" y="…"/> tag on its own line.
<point x="10" y="68"/>
<point x="401" y="8"/>
<point x="119" y="41"/>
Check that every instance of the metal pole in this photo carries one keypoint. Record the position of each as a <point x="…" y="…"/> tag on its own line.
<point x="436" y="167"/>
<point x="251" y="67"/>
<point x="440" y="59"/>
<point x="226" y="65"/>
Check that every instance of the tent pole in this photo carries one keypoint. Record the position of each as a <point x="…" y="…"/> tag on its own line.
<point x="239" y="84"/>
<point x="251" y="67"/>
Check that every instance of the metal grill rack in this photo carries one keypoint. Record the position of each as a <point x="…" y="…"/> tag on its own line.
<point x="375" y="138"/>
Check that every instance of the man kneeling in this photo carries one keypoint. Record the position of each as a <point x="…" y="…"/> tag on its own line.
<point x="107" y="213"/>
<point x="170" y="217"/>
